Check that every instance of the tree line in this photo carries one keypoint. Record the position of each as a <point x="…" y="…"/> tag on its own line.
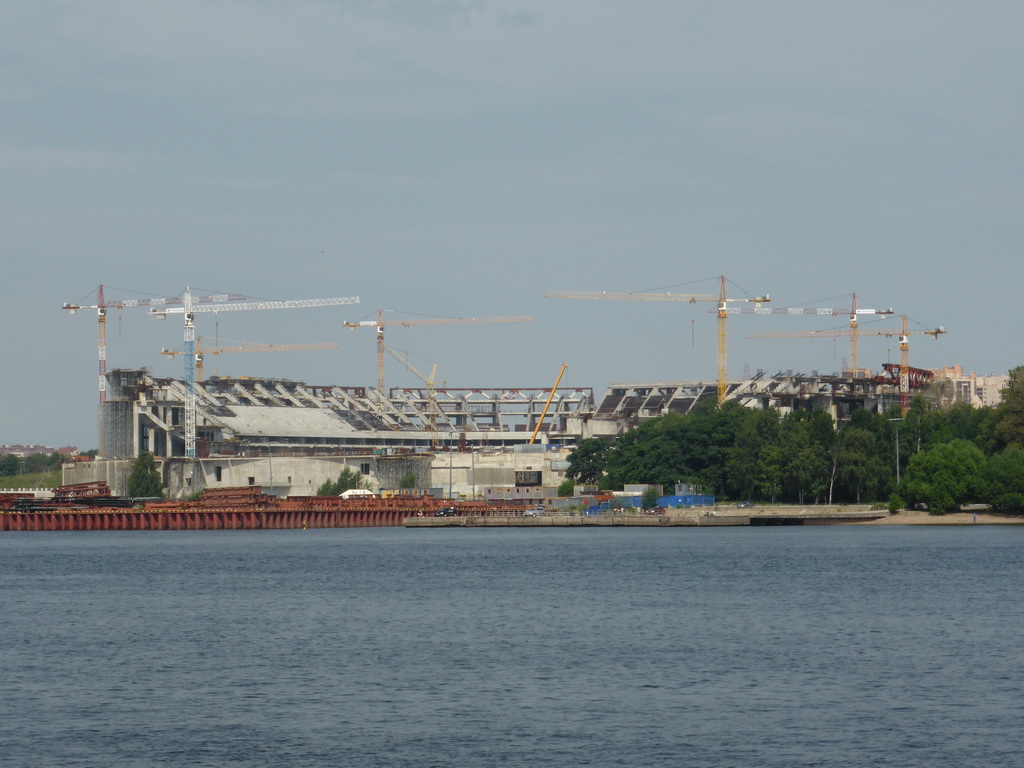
<point x="931" y="457"/>
<point x="35" y="463"/>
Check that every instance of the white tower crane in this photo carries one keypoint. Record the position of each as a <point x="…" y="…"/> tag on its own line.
<point x="188" y="308"/>
<point x="102" y="305"/>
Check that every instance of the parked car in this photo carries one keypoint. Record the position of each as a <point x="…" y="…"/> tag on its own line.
<point x="446" y="512"/>
<point x="535" y="511"/>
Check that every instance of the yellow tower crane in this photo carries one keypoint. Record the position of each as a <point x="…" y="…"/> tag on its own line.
<point x="854" y="312"/>
<point x="380" y="324"/>
<point x="692" y="298"/>
<point x="903" y="335"/>
<point x="200" y="352"/>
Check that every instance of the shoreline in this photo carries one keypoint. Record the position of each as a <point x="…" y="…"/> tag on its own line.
<point x="916" y="517"/>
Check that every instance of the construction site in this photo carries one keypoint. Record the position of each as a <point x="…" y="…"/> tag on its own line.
<point x="289" y="437"/>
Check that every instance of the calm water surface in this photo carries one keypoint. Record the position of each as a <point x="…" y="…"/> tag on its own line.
<point x="821" y="646"/>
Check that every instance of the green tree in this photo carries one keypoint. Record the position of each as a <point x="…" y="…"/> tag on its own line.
<point x="922" y="427"/>
<point x="408" y="480"/>
<point x="753" y="465"/>
<point x="945" y="477"/>
<point x="567" y="487"/>
<point x="965" y="421"/>
<point x="716" y="429"/>
<point x="347" y="480"/>
<point x="35" y="463"/>
<point x="587" y="462"/>
<point x="675" y="446"/>
<point x="144" y="479"/>
<point x="804" y="461"/>
<point x="855" y="463"/>
<point x="10" y="465"/>
<point x="649" y="498"/>
<point x="1004" y="481"/>
<point x="1005" y="423"/>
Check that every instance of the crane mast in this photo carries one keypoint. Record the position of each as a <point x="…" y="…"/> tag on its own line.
<point x="854" y="312"/>
<point x="102" y="305"/>
<point x="722" y="310"/>
<point x="904" y="340"/>
<point x="190" y="306"/>
<point x="380" y="324"/>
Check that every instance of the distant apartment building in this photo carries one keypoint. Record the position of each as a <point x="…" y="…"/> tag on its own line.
<point x="970" y="388"/>
<point x="7" y="449"/>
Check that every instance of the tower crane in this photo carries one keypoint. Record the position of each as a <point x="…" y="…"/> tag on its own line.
<point x="903" y="335"/>
<point x="722" y="310"/>
<point x="102" y="305"/>
<point x="190" y="305"/>
<point x="380" y="324"/>
<point x="200" y="352"/>
<point x="854" y="312"/>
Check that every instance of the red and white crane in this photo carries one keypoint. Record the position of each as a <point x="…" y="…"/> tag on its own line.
<point x="904" y="337"/>
<point x="854" y="312"/>
<point x="190" y="305"/>
<point x="102" y="305"/>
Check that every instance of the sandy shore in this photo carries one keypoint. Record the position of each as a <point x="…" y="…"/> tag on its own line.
<point x="907" y="517"/>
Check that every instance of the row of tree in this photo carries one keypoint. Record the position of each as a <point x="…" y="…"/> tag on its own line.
<point x="32" y="464"/>
<point x="929" y="457"/>
<point x="350" y="479"/>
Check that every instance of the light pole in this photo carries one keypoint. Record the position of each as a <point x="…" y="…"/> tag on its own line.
<point x="897" y="423"/>
<point x="451" y="448"/>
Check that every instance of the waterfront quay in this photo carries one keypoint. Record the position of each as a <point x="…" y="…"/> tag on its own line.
<point x="706" y="517"/>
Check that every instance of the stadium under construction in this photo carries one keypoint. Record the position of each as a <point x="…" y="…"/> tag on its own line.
<point x="509" y="443"/>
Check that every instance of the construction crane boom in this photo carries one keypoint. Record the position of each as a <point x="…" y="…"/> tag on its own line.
<point x="836" y="333"/>
<point x="903" y="335"/>
<point x="692" y="298"/>
<point x="102" y="305"/>
<point x="189" y="307"/>
<point x="547" y="404"/>
<point x="200" y="351"/>
<point x="432" y="410"/>
<point x="380" y="324"/>
<point x="854" y="312"/>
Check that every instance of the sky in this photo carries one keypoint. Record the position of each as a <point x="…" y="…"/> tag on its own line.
<point x="463" y="158"/>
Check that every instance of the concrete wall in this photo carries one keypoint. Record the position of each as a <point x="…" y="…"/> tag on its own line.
<point x="279" y="475"/>
<point x="113" y="472"/>
<point x="463" y="474"/>
<point x="469" y="473"/>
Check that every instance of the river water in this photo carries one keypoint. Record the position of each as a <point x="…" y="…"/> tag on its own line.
<point x="819" y="646"/>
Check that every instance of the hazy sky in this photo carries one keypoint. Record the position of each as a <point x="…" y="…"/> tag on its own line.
<point x="465" y="157"/>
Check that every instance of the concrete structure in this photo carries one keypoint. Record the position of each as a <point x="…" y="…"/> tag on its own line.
<point x="460" y="474"/>
<point x="239" y="415"/>
<point x="530" y="493"/>
<point x="630" y="404"/>
<point x="289" y="437"/>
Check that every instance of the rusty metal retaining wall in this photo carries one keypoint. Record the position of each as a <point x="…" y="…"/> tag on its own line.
<point x="197" y="520"/>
